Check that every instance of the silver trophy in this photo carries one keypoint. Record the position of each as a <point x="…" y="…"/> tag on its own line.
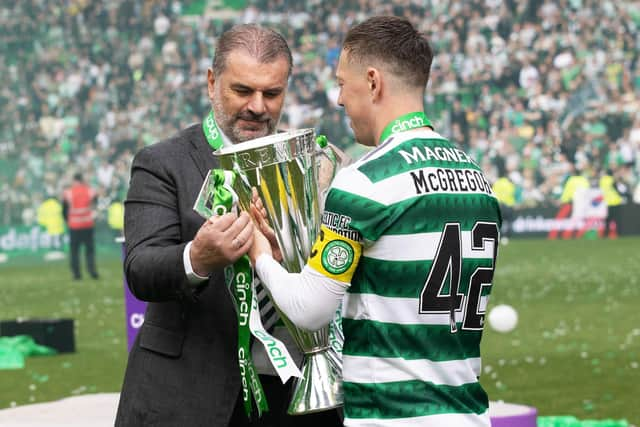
<point x="284" y="169"/>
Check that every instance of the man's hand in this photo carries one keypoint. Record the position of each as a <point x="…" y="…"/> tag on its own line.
<point x="259" y="213"/>
<point x="220" y="242"/>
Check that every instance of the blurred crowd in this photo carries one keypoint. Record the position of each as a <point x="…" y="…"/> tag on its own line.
<point x="537" y="91"/>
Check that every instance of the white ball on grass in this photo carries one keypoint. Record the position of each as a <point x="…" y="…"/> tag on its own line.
<point x="503" y="318"/>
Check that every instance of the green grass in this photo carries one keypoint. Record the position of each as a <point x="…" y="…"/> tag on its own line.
<point x="97" y="307"/>
<point x="575" y="351"/>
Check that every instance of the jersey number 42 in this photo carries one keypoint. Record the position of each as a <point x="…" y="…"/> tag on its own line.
<point x="446" y="268"/>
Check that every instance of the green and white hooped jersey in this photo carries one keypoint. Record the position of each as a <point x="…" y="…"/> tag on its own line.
<point x="428" y="224"/>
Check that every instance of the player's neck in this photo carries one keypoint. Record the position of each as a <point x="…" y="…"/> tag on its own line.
<point x="393" y="110"/>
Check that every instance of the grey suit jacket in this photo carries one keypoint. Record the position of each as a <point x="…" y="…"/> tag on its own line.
<point x="183" y="369"/>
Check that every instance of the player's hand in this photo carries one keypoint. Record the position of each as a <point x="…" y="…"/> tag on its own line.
<point x="220" y="242"/>
<point x="260" y="246"/>
<point x="259" y="213"/>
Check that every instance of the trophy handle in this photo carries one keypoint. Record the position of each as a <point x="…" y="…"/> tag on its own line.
<point x="330" y="160"/>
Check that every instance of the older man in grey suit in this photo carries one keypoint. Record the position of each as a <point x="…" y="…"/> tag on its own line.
<point x="183" y="368"/>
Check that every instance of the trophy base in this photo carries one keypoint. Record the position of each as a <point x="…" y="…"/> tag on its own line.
<point x="320" y="388"/>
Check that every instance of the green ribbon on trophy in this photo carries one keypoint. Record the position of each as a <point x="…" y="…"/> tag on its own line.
<point x="240" y="281"/>
<point x="217" y="197"/>
<point x="239" y="278"/>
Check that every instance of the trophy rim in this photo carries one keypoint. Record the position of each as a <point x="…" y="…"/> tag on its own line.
<point x="263" y="141"/>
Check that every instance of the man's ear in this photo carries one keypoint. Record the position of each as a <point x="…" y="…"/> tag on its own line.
<point x="374" y="80"/>
<point x="211" y="80"/>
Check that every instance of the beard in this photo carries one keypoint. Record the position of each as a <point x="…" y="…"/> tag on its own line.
<point x="262" y="124"/>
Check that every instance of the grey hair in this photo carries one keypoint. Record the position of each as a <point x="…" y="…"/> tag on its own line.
<point x="265" y="44"/>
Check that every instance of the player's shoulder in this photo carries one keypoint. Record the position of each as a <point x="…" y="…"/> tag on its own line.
<point x="351" y="179"/>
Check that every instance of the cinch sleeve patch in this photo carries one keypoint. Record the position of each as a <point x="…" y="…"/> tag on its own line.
<point x="334" y="255"/>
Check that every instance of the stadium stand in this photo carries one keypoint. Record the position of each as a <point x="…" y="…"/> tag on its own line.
<point x="538" y="90"/>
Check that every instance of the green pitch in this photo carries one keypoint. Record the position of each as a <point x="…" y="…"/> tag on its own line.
<point x="575" y="351"/>
<point x="97" y="306"/>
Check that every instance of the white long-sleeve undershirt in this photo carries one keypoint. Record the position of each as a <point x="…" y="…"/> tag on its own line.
<point x="308" y="298"/>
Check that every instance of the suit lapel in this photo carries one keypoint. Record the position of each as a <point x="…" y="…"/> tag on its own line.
<point x="201" y="152"/>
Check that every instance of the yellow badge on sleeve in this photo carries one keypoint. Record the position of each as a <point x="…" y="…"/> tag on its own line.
<point x="335" y="256"/>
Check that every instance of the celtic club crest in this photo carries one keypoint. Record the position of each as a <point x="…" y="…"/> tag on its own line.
<point x="337" y="257"/>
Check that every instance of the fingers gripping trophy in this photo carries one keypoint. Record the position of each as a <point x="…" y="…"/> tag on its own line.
<point x="283" y="171"/>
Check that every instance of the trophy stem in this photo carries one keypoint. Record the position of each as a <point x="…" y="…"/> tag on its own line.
<point x="320" y="387"/>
